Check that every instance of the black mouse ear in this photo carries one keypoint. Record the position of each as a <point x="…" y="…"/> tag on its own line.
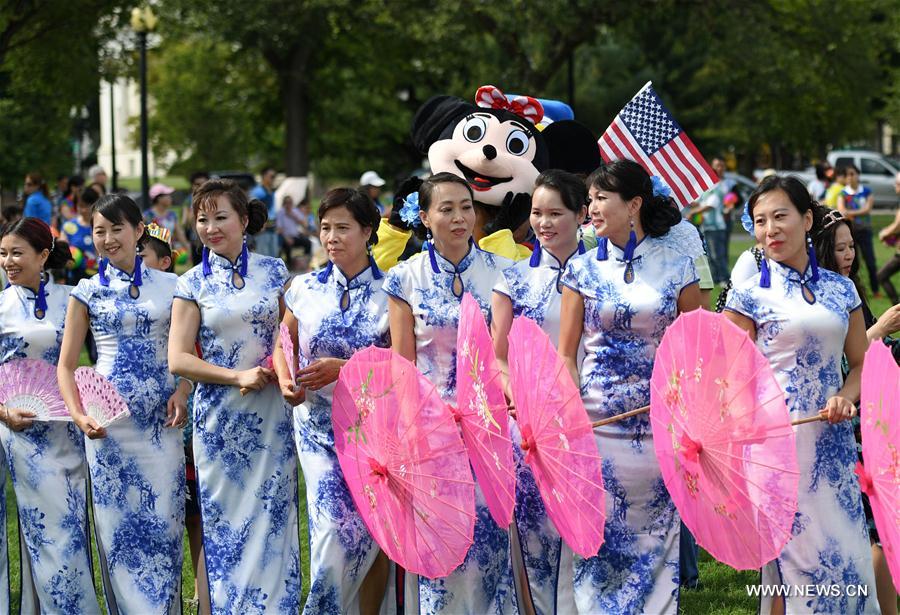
<point x="434" y="117"/>
<point x="572" y="147"/>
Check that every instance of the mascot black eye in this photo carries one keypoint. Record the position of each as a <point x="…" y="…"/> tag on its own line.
<point x="517" y="143"/>
<point x="474" y="129"/>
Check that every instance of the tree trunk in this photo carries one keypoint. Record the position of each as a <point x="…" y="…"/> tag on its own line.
<point x="295" y="100"/>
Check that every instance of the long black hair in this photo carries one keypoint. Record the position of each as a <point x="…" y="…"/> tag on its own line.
<point x="629" y="179"/>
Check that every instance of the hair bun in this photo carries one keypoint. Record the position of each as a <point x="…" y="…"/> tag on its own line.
<point x="257" y="215"/>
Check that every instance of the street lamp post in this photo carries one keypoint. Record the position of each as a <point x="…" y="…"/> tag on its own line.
<point x="143" y="21"/>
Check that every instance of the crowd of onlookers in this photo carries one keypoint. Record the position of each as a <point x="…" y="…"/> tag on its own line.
<point x="290" y="233"/>
<point x="716" y="211"/>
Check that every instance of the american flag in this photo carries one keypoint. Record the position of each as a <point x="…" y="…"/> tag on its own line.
<point x="645" y="131"/>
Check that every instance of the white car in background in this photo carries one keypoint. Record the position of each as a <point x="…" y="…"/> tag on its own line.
<point x="875" y="171"/>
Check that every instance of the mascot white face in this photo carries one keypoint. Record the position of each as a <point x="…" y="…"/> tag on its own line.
<point x="495" y="156"/>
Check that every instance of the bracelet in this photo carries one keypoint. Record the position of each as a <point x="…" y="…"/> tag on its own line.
<point x="179" y="380"/>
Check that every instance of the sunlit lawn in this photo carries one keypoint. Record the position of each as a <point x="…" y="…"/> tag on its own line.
<point x="722" y="591"/>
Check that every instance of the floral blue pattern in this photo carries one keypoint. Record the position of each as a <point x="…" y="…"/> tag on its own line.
<point x="534" y="290"/>
<point x="246" y="468"/>
<point x="623" y="325"/>
<point x="804" y="342"/>
<point x="135" y="469"/>
<point x="483" y="583"/>
<point x="341" y="550"/>
<point x="47" y="466"/>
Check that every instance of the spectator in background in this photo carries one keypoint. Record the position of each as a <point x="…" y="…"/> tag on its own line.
<point x="855" y="203"/>
<point x="161" y="213"/>
<point x="37" y="198"/>
<point x="834" y="190"/>
<point x="890" y="235"/>
<point x="370" y="184"/>
<point x="98" y="179"/>
<point x="197" y="179"/>
<point x="77" y="233"/>
<point x="67" y="206"/>
<point x="818" y="187"/>
<point x="62" y="189"/>
<point x="711" y="206"/>
<point x="292" y="232"/>
<point x="267" y="238"/>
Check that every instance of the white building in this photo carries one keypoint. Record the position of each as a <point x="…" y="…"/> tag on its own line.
<point x="124" y="108"/>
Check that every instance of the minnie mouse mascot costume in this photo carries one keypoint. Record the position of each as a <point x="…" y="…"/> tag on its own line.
<point x="498" y="147"/>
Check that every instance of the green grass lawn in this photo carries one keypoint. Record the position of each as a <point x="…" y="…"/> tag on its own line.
<point x="722" y="591"/>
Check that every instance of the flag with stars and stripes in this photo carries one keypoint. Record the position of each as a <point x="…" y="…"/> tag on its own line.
<point x="645" y="131"/>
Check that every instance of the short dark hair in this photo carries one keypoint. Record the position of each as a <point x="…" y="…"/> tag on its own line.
<point x="628" y="179"/>
<point x="358" y="204"/>
<point x="570" y="187"/>
<point x="89" y="196"/>
<point x="796" y="192"/>
<point x="38" y="235"/>
<point x="426" y="190"/>
<point x="197" y="175"/>
<point x="161" y="249"/>
<point x="822" y="170"/>
<point x="266" y="169"/>
<point x="254" y="210"/>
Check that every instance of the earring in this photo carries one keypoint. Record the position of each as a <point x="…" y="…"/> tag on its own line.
<point x="813" y="263"/>
<point x="430" y="242"/>
<point x="581" y="249"/>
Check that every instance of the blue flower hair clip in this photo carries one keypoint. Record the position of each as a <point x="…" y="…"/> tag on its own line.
<point x="746" y="221"/>
<point x="660" y="188"/>
<point x="409" y="213"/>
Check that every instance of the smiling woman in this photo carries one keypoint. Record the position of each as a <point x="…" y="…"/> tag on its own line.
<point x="424" y="307"/>
<point x="243" y="449"/>
<point x="331" y="314"/>
<point x="137" y="463"/>
<point x="803" y="318"/>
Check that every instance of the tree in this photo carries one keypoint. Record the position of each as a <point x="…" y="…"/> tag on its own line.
<point x="210" y="105"/>
<point x="48" y="70"/>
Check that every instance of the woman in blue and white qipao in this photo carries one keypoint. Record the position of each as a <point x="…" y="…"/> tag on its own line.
<point x="243" y="444"/>
<point x="803" y="318"/>
<point x="425" y="294"/>
<point x="533" y="288"/>
<point x="619" y="299"/>
<point x="136" y="464"/>
<point x="332" y="313"/>
<point x="45" y="458"/>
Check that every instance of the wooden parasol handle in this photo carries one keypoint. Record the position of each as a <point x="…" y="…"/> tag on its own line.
<point x="619" y="417"/>
<point x="810" y="419"/>
<point x="645" y="409"/>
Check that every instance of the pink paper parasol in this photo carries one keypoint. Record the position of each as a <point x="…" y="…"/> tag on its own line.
<point x="30" y="385"/>
<point x="880" y="424"/>
<point x="482" y="412"/>
<point x="557" y="438"/>
<point x="404" y="462"/>
<point x="724" y="440"/>
<point x="99" y="398"/>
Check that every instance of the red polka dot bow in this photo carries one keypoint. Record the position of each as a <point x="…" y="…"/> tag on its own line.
<point x="490" y="97"/>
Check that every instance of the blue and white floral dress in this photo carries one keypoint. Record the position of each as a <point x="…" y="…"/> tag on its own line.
<point x="483" y="583"/>
<point x="243" y="445"/>
<point x="341" y="549"/>
<point x="804" y="343"/>
<point x="48" y="469"/>
<point x="137" y="470"/>
<point x="636" y="570"/>
<point x="535" y="290"/>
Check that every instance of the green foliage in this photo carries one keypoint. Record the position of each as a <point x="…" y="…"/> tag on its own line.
<point x="215" y="108"/>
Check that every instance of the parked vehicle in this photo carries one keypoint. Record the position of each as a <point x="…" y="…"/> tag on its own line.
<point x="875" y="171"/>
